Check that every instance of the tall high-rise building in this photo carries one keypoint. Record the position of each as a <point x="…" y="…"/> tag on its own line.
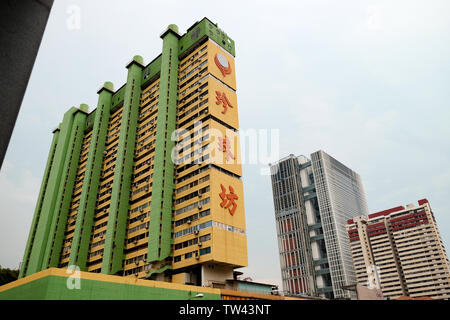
<point x="149" y="183"/>
<point x="313" y="200"/>
<point x="400" y="251"/>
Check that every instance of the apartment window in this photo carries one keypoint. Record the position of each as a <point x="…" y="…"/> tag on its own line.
<point x="205" y="251"/>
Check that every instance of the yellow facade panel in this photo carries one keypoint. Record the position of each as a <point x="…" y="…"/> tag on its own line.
<point x="224" y="148"/>
<point x="227" y="199"/>
<point x="221" y="65"/>
<point x="229" y="247"/>
<point x="223" y="102"/>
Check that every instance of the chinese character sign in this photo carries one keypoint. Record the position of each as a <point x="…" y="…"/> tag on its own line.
<point x="228" y="199"/>
<point x="225" y="147"/>
<point x="221" y="98"/>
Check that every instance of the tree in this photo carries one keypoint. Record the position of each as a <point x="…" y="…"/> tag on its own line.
<point x="8" y="275"/>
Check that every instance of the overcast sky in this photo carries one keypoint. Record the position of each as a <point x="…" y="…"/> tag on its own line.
<point x="365" y="81"/>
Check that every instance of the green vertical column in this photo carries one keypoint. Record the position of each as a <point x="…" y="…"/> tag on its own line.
<point x="120" y="194"/>
<point x="64" y="198"/>
<point x="89" y="191"/>
<point x="40" y="200"/>
<point x="160" y="231"/>
<point x="48" y="204"/>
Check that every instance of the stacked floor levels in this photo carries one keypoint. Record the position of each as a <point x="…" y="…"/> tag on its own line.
<point x="149" y="183"/>
<point x="400" y="251"/>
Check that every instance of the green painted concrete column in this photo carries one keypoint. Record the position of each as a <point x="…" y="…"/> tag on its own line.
<point x="65" y="190"/>
<point x="160" y="238"/>
<point x="120" y="194"/>
<point x="91" y="184"/>
<point x="40" y="200"/>
<point x="41" y="237"/>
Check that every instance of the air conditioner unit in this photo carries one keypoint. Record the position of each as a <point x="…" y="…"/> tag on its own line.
<point x="199" y="206"/>
<point x="136" y="262"/>
<point x="200" y="195"/>
<point x="199" y="244"/>
<point x="196" y="232"/>
<point x="189" y="222"/>
<point x="197" y="257"/>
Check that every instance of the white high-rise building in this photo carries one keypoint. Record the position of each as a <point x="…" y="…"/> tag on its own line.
<point x="313" y="201"/>
<point x="404" y="246"/>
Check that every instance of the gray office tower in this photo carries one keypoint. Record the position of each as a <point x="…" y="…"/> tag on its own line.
<point x="313" y="200"/>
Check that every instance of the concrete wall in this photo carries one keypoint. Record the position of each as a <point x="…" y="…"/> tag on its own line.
<point x="22" y="25"/>
<point x="215" y="274"/>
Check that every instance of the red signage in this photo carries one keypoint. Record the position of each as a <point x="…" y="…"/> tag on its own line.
<point x="224" y="146"/>
<point x="222" y="99"/>
<point x="222" y="63"/>
<point x="228" y="199"/>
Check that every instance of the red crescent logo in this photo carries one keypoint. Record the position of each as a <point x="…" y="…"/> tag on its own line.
<point x="222" y="69"/>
